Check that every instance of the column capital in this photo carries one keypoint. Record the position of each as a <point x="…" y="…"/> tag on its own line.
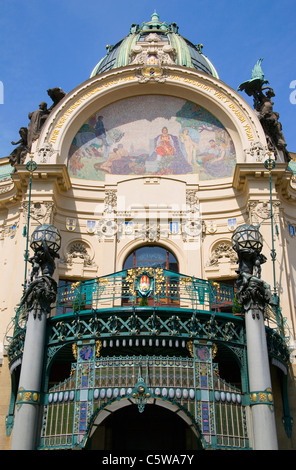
<point x="32" y="397"/>
<point x="262" y="397"/>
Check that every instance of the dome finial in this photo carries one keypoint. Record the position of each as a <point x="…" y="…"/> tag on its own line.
<point x="154" y="16"/>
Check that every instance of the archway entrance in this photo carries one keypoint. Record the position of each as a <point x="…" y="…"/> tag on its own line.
<point x="155" y="429"/>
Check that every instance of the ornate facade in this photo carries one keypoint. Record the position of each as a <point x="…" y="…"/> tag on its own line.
<point x="147" y="169"/>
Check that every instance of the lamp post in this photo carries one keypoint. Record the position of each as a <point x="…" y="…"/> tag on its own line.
<point x="37" y="299"/>
<point x="31" y="166"/>
<point x="269" y="165"/>
<point x="254" y="294"/>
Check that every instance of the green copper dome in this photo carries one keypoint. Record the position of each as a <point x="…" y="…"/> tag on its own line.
<point x="159" y="39"/>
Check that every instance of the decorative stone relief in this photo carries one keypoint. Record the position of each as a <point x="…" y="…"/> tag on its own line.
<point x="191" y="229"/>
<point x="153" y="52"/>
<point x="192" y="201"/>
<point x="106" y="228"/>
<point x="260" y="210"/>
<point x="78" y="251"/>
<point x="257" y="153"/>
<point x="222" y="250"/>
<point x="151" y="232"/>
<point x="45" y="153"/>
<point x="152" y="55"/>
<point x="110" y="202"/>
<point x="41" y="212"/>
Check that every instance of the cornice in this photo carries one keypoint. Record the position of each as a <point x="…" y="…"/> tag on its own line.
<point x="53" y="172"/>
<point x="249" y="171"/>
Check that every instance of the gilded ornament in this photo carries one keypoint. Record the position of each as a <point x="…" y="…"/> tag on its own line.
<point x="74" y="350"/>
<point x="98" y="348"/>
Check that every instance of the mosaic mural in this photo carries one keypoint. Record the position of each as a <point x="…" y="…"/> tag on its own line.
<point x="155" y="135"/>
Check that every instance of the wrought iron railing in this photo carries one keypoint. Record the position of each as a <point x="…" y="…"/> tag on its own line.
<point x="93" y="308"/>
<point x="163" y="288"/>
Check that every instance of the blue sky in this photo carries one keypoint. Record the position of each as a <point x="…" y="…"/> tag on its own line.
<point x="49" y="43"/>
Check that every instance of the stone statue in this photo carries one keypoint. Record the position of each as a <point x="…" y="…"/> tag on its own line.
<point x="37" y="119"/>
<point x="56" y="94"/>
<point x="18" y="155"/>
<point x="264" y="108"/>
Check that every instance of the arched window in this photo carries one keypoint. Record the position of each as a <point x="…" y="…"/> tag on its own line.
<point x="154" y="256"/>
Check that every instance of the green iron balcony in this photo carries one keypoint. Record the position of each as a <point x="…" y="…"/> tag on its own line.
<point x="145" y="287"/>
<point x="146" y="302"/>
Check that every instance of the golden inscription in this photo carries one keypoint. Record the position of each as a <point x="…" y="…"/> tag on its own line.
<point x="77" y="103"/>
<point x="217" y="94"/>
<point x="202" y="86"/>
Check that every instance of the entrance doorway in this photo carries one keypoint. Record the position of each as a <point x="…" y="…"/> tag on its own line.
<point x="156" y="428"/>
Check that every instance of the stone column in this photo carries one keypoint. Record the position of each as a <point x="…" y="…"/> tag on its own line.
<point x="261" y="399"/>
<point x="28" y="397"/>
<point x="254" y="295"/>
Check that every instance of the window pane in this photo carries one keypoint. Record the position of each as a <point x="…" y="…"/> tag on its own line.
<point x="154" y="256"/>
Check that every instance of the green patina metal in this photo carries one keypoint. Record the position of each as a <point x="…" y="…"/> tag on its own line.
<point x="178" y="305"/>
<point x="188" y="386"/>
<point x="181" y="315"/>
<point x="187" y="54"/>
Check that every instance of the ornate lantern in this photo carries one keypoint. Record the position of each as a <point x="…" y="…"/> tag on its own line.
<point x="48" y="234"/>
<point x="247" y="238"/>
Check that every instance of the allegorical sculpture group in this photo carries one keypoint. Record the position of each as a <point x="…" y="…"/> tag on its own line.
<point x="263" y="106"/>
<point x="29" y="134"/>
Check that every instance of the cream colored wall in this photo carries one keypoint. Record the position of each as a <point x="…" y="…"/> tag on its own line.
<point x="161" y="198"/>
<point x="4" y="404"/>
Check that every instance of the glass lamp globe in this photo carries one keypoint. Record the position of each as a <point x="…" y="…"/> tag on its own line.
<point x="247" y="237"/>
<point x="47" y="233"/>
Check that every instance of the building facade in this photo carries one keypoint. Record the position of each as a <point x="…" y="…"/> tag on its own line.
<point x="147" y="170"/>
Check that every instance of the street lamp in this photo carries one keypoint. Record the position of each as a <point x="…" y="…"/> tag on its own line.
<point x="247" y="237"/>
<point x="45" y="242"/>
<point x="46" y="233"/>
<point x="254" y="294"/>
<point x="269" y="165"/>
<point x="31" y="166"/>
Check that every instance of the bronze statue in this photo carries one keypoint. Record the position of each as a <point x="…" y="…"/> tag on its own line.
<point x="56" y="94"/>
<point x="18" y="155"/>
<point x="42" y="290"/>
<point x="43" y="260"/>
<point x="37" y="119"/>
<point x="252" y="292"/>
<point x="264" y="108"/>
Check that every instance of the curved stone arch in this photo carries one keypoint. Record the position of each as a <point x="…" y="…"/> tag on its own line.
<point x="100" y="414"/>
<point x="227" y="105"/>
<point x="162" y="243"/>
